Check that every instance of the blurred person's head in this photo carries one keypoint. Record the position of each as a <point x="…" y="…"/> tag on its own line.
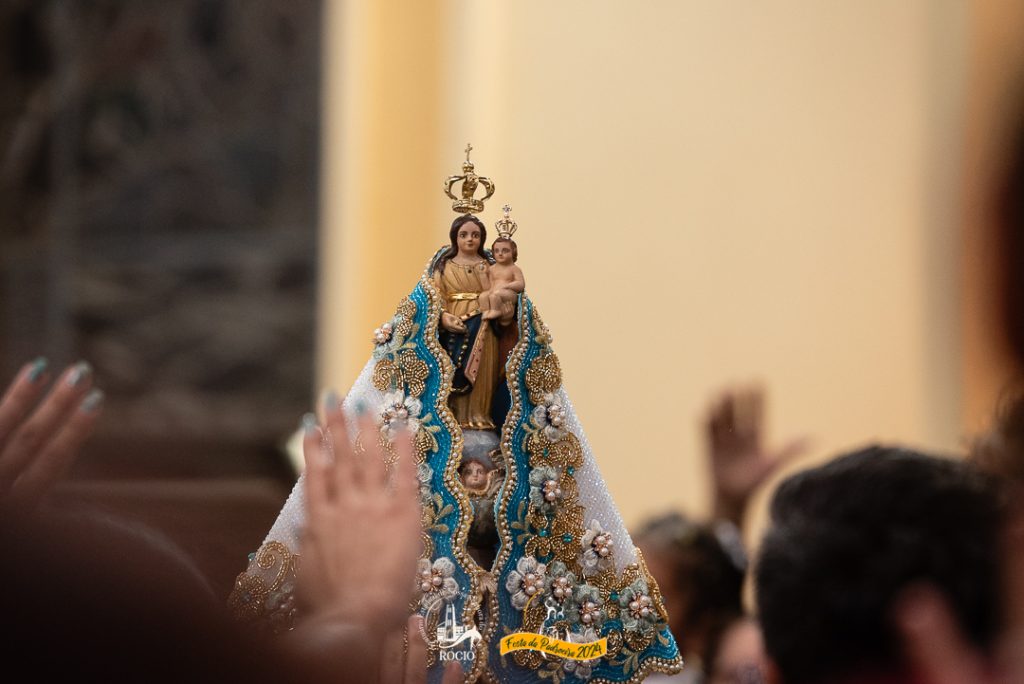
<point x="848" y="539"/>
<point x="1009" y="201"/>
<point x="1001" y="452"/>
<point x="700" y="572"/>
<point x="739" y="658"/>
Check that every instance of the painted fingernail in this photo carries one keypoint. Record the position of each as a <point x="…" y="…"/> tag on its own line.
<point x="93" y="401"/>
<point x="38" y="368"/>
<point x="332" y="401"/>
<point x="79" y="373"/>
<point x="309" y="423"/>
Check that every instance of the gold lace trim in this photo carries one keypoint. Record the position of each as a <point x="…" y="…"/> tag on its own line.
<point x="253" y="601"/>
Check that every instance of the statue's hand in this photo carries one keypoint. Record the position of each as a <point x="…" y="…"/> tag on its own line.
<point x="452" y="323"/>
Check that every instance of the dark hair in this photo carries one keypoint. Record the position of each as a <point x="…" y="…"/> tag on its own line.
<point x="847" y="538"/>
<point x="453" y="235"/>
<point x="515" y="247"/>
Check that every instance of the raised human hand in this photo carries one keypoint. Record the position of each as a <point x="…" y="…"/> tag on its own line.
<point x="41" y="437"/>
<point x="362" y="535"/>
<point x="739" y="461"/>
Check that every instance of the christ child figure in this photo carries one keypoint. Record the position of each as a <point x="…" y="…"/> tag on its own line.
<point x="502" y="281"/>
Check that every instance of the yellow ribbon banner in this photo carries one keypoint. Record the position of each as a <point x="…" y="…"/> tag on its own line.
<point x="531" y="641"/>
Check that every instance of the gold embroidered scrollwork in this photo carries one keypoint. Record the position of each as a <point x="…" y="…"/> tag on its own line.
<point x="543" y="377"/>
<point x="403" y="371"/>
<point x="556" y="530"/>
<point x="533" y="619"/>
<point x="405" y="313"/>
<point x="400" y="368"/>
<point x="424" y="443"/>
<point x="386" y="374"/>
<point x="563" y="453"/>
<point x="253" y="600"/>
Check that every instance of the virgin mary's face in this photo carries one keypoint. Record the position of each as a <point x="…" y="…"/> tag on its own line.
<point x="468" y="239"/>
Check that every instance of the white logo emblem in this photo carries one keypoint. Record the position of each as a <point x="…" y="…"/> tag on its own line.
<point x="452" y="634"/>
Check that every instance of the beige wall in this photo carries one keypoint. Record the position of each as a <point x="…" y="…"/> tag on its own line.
<point x="707" y="192"/>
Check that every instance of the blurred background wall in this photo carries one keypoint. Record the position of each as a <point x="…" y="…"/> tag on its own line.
<point x="158" y="177"/>
<point x="159" y="181"/>
<point x="708" y="193"/>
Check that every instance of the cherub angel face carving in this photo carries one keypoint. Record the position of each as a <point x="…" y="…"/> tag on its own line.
<point x="474" y="475"/>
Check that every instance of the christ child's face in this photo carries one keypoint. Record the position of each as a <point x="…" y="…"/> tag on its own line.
<point x="503" y="253"/>
<point x="469" y="238"/>
<point x="474" y="475"/>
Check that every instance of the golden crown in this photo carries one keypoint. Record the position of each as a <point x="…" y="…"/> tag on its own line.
<point x="468" y="203"/>
<point x="506" y="226"/>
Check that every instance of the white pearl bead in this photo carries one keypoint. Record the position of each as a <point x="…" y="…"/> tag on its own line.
<point x="633" y="605"/>
<point x="437" y="581"/>
<point x="586" y="618"/>
<point x="530" y="577"/>
<point x="425" y="587"/>
<point x="550" y="496"/>
<point x="530" y="591"/>
<point x="644" y="612"/>
<point x="603" y="552"/>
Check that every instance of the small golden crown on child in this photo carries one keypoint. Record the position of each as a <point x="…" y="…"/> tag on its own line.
<point x="506" y="226"/>
<point x="468" y="203"/>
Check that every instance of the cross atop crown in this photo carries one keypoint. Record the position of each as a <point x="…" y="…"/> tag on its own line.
<point x="506" y="226"/>
<point x="468" y="203"/>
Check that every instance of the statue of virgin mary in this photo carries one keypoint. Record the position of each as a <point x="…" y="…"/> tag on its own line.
<point x="527" y="573"/>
